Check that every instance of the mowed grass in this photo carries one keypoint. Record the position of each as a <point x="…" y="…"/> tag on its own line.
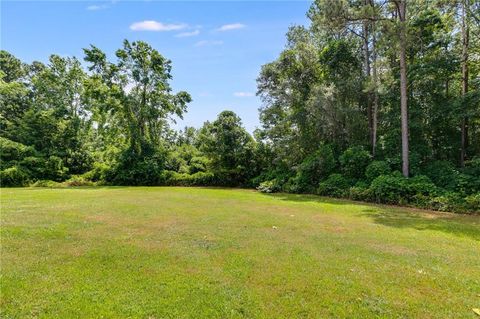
<point x="158" y="252"/>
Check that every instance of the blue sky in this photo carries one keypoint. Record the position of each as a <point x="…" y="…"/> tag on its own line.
<point x="216" y="48"/>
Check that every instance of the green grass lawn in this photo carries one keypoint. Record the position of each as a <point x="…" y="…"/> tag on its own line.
<point x="159" y="252"/>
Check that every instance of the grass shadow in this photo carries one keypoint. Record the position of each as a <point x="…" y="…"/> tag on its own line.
<point x="309" y="198"/>
<point x="401" y="217"/>
<point x="458" y="225"/>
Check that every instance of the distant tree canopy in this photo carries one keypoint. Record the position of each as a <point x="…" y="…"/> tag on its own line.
<point x="374" y="100"/>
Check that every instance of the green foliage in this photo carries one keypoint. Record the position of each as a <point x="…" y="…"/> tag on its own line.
<point x="354" y="161"/>
<point x="473" y="203"/>
<point x="360" y="193"/>
<point x="467" y="184"/>
<point x="134" y="170"/>
<point x="229" y="149"/>
<point x="322" y="95"/>
<point x="11" y="151"/>
<point x="271" y="186"/>
<point x="45" y="168"/>
<point x="443" y="174"/>
<point x="14" y="176"/>
<point x="137" y="88"/>
<point x="46" y="183"/>
<point x="183" y="179"/>
<point x="375" y="169"/>
<point x="469" y="181"/>
<point x="187" y="159"/>
<point x="472" y="167"/>
<point x="54" y="168"/>
<point x="77" y="180"/>
<point x="396" y="189"/>
<point x="314" y="168"/>
<point x="335" y="185"/>
<point x="99" y="172"/>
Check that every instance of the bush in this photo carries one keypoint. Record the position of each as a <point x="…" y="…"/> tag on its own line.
<point x="473" y="203"/>
<point x="46" y="183"/>
<point x="375" y="169"/>
<point x="281" y="177"/>
<point x="50" y="168"/>
<point x="360" y="193"/>
<point x="448" y="202"/>
<point x="13" y="151"/>
<point x="271" y="186"/>
<point x="442" y="174"/>
<point x="182" y="179"/>
<point x="292" y="186"/>
<point x="472" y="167"/>
<point x="77" y="180"/>
<point x="312" y="170"/>
<point x="134" y="169"/>
<point x="54" y="169"/>
<point x="334" y="185"/>
<point x="198" y="164"/>
<point x="98" y="173"/>
<point x="354" y="161"/>
<point x="36" y="166"/>
<point x="396" y="189"/>
<point x="14" y="176"/>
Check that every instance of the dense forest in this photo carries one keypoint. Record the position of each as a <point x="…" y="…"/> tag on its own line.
<point x="373" y="100"/>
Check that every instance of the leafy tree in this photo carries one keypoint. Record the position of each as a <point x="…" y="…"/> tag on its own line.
<point x="137" y="88"/>
<point x="230" y="149"/>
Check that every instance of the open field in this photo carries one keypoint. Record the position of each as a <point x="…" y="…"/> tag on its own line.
<point x="163" y="252"/>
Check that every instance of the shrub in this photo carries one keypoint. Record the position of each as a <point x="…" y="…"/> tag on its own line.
<point x="354" y="161"/>
<point x="396" y="189"/>
<point x="334" y="185"/>
<point x="50" y="168"/>
<point x="77" y="180"/>
<point x="182" y="179"/>
<point x="54" y="169"/>
<point x="292" y="185"/>
<point x="421" y="184"/>
<point x="442" y="174"/>
<point x="36" y="166"/>
<point x="375" y="169"/>
<point x="390" y="189"/>
<point x="271" y="186"/>
<point x="473" y="203"/>
<point x="360" y="193"/>
<point x="13" y="151"/>
<point x="99" y="172"/>
<point x="46" y="183"/>
<point x="198" y="164"/>
<point x="472" y="167"/>
<point x="13" y="176"/>
<point x="447" y="202"/>
<point x="134" y="169"/>
<point x="281" y="177"/>
<point x="313" y="169"/>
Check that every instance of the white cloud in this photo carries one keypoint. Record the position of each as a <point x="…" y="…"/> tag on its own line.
<point x="205" y="43"/>
<point x="188" y="34"/>
<point x="151" y="25"/>
<point x="233" y="26"/>
<point x="243" y="94"/>
<point x="104" y="5"/>
<point x="95" y="7"/>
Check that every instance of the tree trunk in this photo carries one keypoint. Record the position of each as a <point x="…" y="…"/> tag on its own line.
<point x="465" y="44"/>
<point x="402" y="12"/>
<point x="375" y="91"/>
<point x="366" y="52"/>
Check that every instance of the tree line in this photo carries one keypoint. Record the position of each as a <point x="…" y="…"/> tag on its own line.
<point x="373" y="100"/>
